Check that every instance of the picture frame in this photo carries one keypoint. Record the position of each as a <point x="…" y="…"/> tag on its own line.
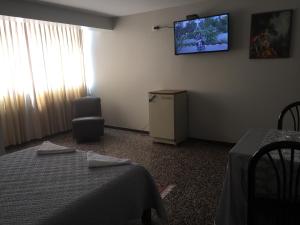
<point x="270" y="34"/>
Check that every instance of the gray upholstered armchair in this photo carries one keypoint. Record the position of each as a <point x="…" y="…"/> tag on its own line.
<point x="2" y="149"/>
<point x="88" y="125"/>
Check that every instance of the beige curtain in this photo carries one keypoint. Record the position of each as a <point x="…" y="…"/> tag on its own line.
<point x="41" y="72"/>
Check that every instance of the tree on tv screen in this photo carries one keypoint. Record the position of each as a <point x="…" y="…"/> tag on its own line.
<point x="206" y="29"/>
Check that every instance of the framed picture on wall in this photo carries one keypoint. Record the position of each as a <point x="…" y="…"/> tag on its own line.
<point x="270" y="34"/>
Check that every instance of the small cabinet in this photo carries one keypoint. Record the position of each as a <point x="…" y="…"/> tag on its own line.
<point x="168" y="116"/>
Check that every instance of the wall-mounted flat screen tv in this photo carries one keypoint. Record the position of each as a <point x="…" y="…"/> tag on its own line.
<point x="206" y="34"/>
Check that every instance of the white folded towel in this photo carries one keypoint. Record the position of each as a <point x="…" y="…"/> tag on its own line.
<point x="49" y="148"/>
<point x="96" y="160"/>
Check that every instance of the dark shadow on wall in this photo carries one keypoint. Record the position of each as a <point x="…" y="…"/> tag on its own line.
<point x="205" y="110"/>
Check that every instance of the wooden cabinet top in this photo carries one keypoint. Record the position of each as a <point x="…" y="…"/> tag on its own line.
<point x="168" y="92"/>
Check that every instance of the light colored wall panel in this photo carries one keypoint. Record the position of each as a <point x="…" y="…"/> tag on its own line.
<point x="228" y="92"/>
<point x="53" y="13"/>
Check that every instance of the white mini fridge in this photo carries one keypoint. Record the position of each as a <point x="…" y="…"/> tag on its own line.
<point x="168" y="116"/>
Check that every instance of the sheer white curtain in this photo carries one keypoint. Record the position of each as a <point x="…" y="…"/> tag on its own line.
<point x="42" y="71"/>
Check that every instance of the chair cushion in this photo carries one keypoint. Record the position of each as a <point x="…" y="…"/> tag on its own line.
<point x="88" y="118"/>
<point x="88" y="128"/>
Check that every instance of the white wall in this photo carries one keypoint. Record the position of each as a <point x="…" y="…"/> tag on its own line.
<point x="228" y="92"/>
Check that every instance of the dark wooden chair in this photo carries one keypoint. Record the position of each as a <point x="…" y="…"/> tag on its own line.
<point x="290" y="114"/>
<point x="281" y="206"/>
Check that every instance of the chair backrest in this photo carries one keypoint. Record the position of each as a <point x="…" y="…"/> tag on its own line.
<point x="87" y="106"/>
<point x="273" y="185"/>
<point x="290" y="114"/>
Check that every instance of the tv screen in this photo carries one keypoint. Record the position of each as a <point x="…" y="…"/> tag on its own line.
<point x="206" y="34"/>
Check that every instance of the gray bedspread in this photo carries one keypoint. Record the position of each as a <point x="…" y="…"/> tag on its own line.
<point x="60" y="189"/>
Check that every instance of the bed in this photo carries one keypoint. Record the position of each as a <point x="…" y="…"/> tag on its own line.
<point x="60" y="189"/>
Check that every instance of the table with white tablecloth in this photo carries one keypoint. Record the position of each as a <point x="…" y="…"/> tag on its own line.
<point x="232" y="208"/>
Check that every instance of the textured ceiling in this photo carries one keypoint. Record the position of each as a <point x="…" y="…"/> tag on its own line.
<point x="119" y="7"/>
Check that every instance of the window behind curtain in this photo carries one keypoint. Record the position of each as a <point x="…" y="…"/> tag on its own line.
<point x="42" y="72"/>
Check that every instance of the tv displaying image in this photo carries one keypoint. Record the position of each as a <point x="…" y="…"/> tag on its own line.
<point x="207" y="34"/>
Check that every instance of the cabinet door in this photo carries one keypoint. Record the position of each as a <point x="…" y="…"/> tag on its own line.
<point x="161" y="116"/>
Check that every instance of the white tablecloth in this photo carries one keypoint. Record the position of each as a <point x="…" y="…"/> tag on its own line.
<point x="232" y="209"/>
